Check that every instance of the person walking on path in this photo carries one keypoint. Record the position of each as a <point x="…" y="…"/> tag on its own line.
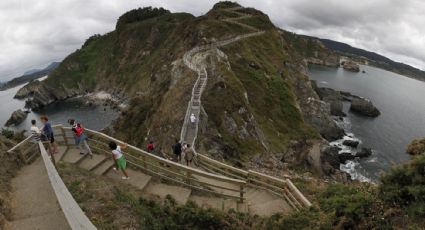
<point x="188" y="155"/>
<point x="150" y="147"/>
<point x="80" y="137"/>
<point x="193" y="120"/>
<point x="35" y="131"/>
<point x="48" y="133"/>
<point x="177" y="150"/>
<point x="119" y="159"/>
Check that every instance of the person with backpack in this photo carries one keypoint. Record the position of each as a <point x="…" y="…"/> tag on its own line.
<point x="150" y="147"/>
<point x="80" y="137"/>
<point x="177" y="150"/>
<point x="119" y="159"/>
<point x="47" y="132"/>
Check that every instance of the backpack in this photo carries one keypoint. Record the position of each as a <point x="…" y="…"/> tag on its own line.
<point x="78" y="130"/>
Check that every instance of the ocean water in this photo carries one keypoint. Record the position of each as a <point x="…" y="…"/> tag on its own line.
<point x="93" y="117"/>
<point x="402" y="105"/>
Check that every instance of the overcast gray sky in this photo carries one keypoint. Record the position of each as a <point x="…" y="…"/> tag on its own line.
<point x="35" y="33"/>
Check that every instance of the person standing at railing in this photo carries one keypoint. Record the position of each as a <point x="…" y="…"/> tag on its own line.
<point x="188" y="155"/>
<point x="48" y="133"/>
<point x="35" y="131"/>
<point x="150" y="147"/>
<point x="80" y="137"/>
<point x="119" y="159"/>
<point x="177" y="150"/>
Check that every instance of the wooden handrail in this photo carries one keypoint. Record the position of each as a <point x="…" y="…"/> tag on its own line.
<point x="19" y="144"/>
<point x="171" y="163"/>
<point x="72" y="211"/>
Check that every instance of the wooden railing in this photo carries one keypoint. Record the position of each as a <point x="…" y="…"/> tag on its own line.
<point x="281" y="187"/>
<point x="168" y="170"/>
<point x="27" y="150"/>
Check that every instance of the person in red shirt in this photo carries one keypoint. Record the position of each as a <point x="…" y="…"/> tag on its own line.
<point x="150" y="147"/>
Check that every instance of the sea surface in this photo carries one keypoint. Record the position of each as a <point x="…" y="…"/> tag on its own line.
<point x="93" y="117"/>
<point x="402" y="105"/>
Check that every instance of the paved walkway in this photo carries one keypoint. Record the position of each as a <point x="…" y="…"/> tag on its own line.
<point x="34" y="203"/>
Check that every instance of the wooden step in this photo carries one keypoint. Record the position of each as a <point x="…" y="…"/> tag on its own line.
<point x="89" y="163"/>
<point x="137" y="178"/>
<point x="104" y="167"/>
<point x="73" y="156"/>
<point x="180" y="194"/>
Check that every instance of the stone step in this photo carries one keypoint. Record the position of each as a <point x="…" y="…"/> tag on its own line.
<point x="73" y="156"/>
<point x="50" y="221"/>
<point x="89" y="163"/>
<point x="62" y="151"/>
<point x="28" y="200"/>
<point x="258" y="196"/>
<point x="137" y="178"/>
<point x="104" y="167"/>
<point x="214" y="202"/>
<point x="269" y="208"/>
<point x="180" y="194"/>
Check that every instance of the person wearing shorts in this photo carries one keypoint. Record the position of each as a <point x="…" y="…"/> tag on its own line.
<point x="119" y="159"/>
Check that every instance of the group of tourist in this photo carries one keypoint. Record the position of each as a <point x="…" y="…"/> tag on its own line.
<point x="46" y="134"/>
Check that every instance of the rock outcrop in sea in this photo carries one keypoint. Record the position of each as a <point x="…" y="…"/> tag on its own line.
<point x="351" y="66"/>
<point x="16" y="118"/>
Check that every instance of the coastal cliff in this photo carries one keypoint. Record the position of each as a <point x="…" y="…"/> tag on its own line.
<point x="258" y="100"/>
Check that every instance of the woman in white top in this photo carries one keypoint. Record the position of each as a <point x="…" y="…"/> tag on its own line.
<point x="118" y="157"/>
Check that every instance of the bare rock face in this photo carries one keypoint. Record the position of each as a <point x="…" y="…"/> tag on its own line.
<point x="364" y="107"/>
<point x="318" y="115"/>
<point x="17" y="118"/>
<point x="329" y="159"/>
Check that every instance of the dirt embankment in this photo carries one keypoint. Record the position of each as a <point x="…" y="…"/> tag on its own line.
<point x="9" y="165"/>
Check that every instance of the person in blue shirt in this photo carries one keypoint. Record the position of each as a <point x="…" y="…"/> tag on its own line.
<point x="48" y="133"/>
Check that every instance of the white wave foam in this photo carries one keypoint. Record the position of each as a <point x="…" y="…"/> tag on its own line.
<point x="353" y="168"/>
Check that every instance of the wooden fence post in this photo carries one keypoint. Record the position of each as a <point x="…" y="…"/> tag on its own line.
<point x="64" y="136"/>
<point x="241" y="193"/>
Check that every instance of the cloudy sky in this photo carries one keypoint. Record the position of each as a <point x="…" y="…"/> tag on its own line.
<point x="35" y="33"/>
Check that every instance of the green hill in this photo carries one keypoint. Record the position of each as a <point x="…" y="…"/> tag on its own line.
<point x="258" y="100"/>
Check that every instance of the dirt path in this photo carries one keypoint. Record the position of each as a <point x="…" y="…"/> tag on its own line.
<point x="34" y="203"/>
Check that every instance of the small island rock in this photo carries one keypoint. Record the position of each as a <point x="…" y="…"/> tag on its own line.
<point x="16" y="118"/>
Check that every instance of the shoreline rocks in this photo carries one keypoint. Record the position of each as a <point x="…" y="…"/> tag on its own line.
<point x="359" y="105"/>
<point x="16" y="118"/>
<point x="351" y="143"/>
<point x="364" y="107"/>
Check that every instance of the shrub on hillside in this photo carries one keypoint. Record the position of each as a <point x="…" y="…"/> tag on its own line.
<point x="416" y="147"/>
<point x="404" y="186"/>
<point x="140" y="14"/>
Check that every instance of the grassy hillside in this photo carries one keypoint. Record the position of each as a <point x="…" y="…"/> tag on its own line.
<point x="252" y="108"/>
